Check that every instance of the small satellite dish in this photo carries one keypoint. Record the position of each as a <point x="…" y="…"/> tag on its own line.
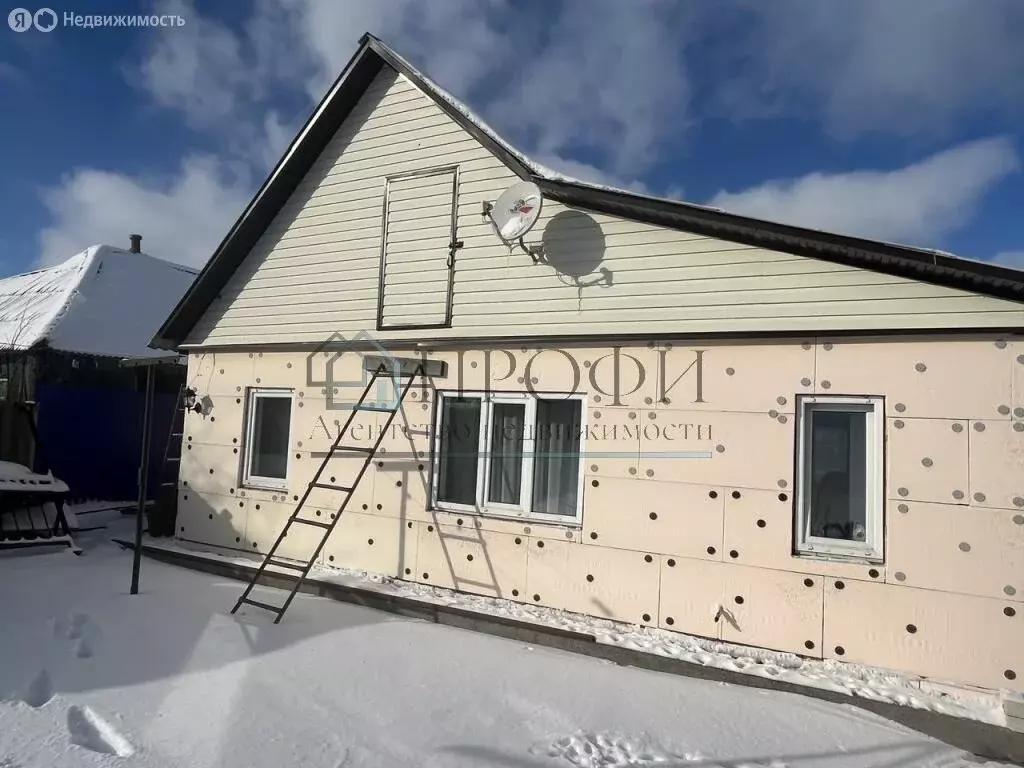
<point x="516" y="210"/>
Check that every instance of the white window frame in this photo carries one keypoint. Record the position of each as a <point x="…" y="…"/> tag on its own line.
<point x="493" y="509"/>
<point x="250" y="480"/>
<point x="872" y="548"/>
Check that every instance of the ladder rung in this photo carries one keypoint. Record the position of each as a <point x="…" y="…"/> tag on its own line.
<point x="316" y="523"/>
<point x="177" y="434"/>
<point x="330" y="487"/>
<point x="285" y="564"/>
<point x="364" y="407"/>
<point x="356" y="448"/>
<point x="173" y="458"/>
<point x="258" y="604"/>
<point x="167" y="484"/>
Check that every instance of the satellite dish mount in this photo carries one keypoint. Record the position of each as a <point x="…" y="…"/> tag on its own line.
<point x="514" y="214"/>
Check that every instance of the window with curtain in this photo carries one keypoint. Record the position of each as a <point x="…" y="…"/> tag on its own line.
<point x="840" y="466"/>
<point x="509" y="454"/>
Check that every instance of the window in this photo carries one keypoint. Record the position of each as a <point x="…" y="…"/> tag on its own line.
<point x="267" y="438"/>
<point x="510" y="454"/>
<point x="840" y="474"/>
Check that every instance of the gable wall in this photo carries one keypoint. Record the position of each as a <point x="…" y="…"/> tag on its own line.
<point x="316" y="269"/>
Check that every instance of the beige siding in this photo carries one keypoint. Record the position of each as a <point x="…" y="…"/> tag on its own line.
<point x="316" y="269"/>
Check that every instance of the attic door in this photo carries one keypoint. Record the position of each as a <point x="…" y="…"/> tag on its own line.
<point x="418" y="254"/>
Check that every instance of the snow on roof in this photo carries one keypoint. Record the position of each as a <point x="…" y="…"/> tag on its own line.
<point x="542" y="171"/>
<point x="101" y="301"/>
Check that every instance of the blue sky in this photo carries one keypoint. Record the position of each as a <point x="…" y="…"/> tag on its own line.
<point x="895" y="119"/>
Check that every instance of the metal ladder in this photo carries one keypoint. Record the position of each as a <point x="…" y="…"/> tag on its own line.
<point x="167" y="493"/>
<point x="348" y="490"/>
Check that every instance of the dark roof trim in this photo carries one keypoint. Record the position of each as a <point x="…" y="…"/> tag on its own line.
<point x="903" y="261"/>
<point x="626" y="339"/>
<point x="928" y="266"/>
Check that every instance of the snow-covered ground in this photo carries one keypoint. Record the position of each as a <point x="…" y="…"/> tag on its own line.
<point x="854" y="680"/>
<point x="93" y="676"/>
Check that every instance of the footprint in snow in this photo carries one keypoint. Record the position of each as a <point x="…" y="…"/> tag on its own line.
<point x="82" y="648"/>
<point x="38" y="692"/>
<point x="89" y="730"/>
<point x="76" y="625"/>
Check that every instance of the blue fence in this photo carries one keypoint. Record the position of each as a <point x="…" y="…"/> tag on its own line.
<point x="92" y="436"/>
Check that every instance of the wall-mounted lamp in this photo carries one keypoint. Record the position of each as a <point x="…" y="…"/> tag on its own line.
<point x="190" y="401"/>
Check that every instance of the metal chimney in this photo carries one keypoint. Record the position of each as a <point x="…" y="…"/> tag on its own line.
<point x="136" y="246"/>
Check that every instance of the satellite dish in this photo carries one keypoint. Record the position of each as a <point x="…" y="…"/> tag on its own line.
<point x="516" y="210"/>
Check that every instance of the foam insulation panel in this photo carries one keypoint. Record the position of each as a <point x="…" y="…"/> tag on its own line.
<point x="316" y="424"/>
<point x="759" y="533"/>
<point x="773" y="609"/>
<point x="549" y="580"/>
<point x="220" y="423"/>
<point x="997" y="464"/>
<point x="613" y="583"/>
<point x="928" y="460"/>
<point x="939" y="379"/>
<point x="341" y="471"/>
<point x="759" y="528"/>
<point x="472" y="370"/>
<point x="624" y="376"/>
<point x="974" y="551"/>
<point x="401" y="489"/>
<point x="691" y="591"/>
<point x="216" y="373"/>
<point x="286" y="370"/>
<point x="751" y="606"/>
<point x="612" y="444"/>
<point x="516" y="526"/>
<point x="755" y="378"/>
<point x="374" y="544"/>
<point x="267" y="519"/>
<point x="471" y="560"/>
<point x="625" y="514"/>
<point x="210" y="468"/>
<point x="211" y="518"/>
<point x="971" y="640"/>
<point x="748" y="450"/>
<point x="1017" y="353"/>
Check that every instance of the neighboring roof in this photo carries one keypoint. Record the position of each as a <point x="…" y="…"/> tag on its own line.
<point x="102" y="301"/>
<point x="931" y="266"/>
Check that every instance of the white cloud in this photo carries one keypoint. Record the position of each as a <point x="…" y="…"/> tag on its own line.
<point x="610" y="78"/>
<point x="917" y="204"/>
<point x="1010" y="259"/>
<point x="181" y="219"/>
<point x="590" y="173"/>
<point x="601" y="79"/>
<point x="611" y="81"/>
<point x="198" y="68"/>
<point x="903" y="67"/>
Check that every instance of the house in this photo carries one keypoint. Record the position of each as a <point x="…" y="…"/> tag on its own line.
<point x="63" y="333"/>
<point x="651" y="411"/>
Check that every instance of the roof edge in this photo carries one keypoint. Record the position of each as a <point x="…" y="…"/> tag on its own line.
<point x="268" y="199"/>
<point x="982" y="277"/>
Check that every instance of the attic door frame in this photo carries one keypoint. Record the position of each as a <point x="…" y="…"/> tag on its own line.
<point x="423" y="173"/>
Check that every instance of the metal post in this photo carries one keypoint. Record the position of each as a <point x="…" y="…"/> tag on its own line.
<point x="147" y="413"/>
